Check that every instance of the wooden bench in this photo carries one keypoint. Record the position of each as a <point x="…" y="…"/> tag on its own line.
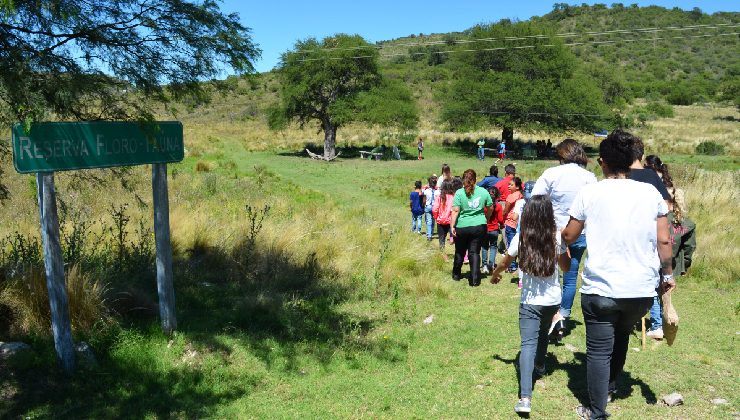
<point x="365" y="154"/>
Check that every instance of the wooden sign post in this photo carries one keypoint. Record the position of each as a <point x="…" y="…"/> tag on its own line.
<point x="54" y="263"/>
<point x="50" y="147"/>
<point x="165" y="288"/>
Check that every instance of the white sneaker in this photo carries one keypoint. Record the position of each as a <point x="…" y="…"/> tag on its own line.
<point x="484" y="270"/>
<point x="656" y="334"/>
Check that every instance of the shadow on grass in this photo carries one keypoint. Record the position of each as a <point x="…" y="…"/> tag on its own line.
<point x="115" y="390"/>
<point x="516" y="149"/>
<point x="352" y="152"/>
<point x="730" y="118"/>
<point x="258" y="301"/>
<point x="550" y="362"/>
<point x="576" y="371"/>
<point x="578" y="385"/>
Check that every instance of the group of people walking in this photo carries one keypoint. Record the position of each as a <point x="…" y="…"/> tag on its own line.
<point x="632" y="226"/>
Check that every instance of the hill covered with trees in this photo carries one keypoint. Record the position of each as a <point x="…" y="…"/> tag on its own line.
<point x="672" y="55"/>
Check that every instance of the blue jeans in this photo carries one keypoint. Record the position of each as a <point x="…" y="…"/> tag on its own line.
<point x="534" y="324"/>
<point x="489" y="243"/>
<point x="656" y="315"/>
<point x="416" y="222"/>
<point x="481" y="153"/>
<point x="510" y="232"/>
<point x="430" y="224"/>
<point x="570" y="277"/>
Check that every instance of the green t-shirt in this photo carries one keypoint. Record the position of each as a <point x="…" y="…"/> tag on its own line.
<point x="481" y="143"/>
<point x="471" y="208"/>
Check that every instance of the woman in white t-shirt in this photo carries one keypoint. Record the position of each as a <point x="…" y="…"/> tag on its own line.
<point x="562" y="183"/>
<point x="540" y="251"/>
<point x="628" y="243"/>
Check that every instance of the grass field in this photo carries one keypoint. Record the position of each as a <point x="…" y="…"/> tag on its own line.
<point x="323" y="318"/>
<point x="319" y="312"/>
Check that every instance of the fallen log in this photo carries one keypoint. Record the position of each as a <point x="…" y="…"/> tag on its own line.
<point x="321" y="157"/>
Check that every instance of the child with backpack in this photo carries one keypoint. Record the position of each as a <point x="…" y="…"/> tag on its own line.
<point x="541" y="250"/>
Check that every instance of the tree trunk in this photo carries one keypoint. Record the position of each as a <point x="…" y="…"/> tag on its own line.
<point x="330" y="139"/>
<point x="507" y="134"/>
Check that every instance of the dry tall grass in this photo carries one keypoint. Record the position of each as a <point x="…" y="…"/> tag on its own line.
<point x="713" y="198"/>
<point x="27" y="298"/>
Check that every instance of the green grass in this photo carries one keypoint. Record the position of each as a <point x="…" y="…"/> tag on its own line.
<point x="326" y="318"/>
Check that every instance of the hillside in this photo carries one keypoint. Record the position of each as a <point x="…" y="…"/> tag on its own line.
<point x="648" y="74"/>
<point x="682" y="56"/>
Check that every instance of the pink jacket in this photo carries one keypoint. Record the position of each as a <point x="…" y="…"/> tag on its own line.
<point x="442" y="214"/>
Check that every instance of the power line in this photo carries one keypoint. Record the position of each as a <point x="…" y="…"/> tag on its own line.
<point x="528" y="37"/>
<point x="570" y="35"/>
<point x="520" y="47"/>
<point x="543" y="113"/>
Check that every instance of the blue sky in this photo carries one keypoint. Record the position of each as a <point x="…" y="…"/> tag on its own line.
<point x="277" y="25"/>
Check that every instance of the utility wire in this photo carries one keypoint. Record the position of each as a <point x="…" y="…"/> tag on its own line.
<point x="520" y="47"/>
<point x="543" y="113"/>
<point x="528" y="37"/>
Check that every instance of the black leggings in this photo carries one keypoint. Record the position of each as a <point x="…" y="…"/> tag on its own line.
<point x="469" y="239"/>
<point x="442" y="232"/>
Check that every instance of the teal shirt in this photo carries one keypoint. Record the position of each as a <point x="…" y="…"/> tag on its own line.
<point x="471" y="208"/>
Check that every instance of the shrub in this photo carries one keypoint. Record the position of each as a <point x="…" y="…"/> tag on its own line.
<point x="710" y="148"/>
<point x="27" y="299"/>
<point x="660" y="109"/>
<point x="681" y="94"/>
<point x="203" y="166"/>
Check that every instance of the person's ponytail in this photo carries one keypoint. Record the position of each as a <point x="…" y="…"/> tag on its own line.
<point x="469" y="178"/>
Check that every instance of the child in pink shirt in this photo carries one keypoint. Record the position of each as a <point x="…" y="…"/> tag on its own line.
<point x="442" y="211"/>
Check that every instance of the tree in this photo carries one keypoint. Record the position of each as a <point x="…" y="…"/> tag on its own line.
<point x="337" y="81"/>
<point x="730" y="86"/>
<point x="110" y="59"/>
<point x="538" y="85"/>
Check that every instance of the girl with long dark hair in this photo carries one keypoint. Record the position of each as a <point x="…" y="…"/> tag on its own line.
<point x="540" y="250"/>
<point x="468" y="225"/>
<point x="683" y="237"/>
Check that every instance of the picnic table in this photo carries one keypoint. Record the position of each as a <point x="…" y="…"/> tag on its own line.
<point x="370" y="155"/>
